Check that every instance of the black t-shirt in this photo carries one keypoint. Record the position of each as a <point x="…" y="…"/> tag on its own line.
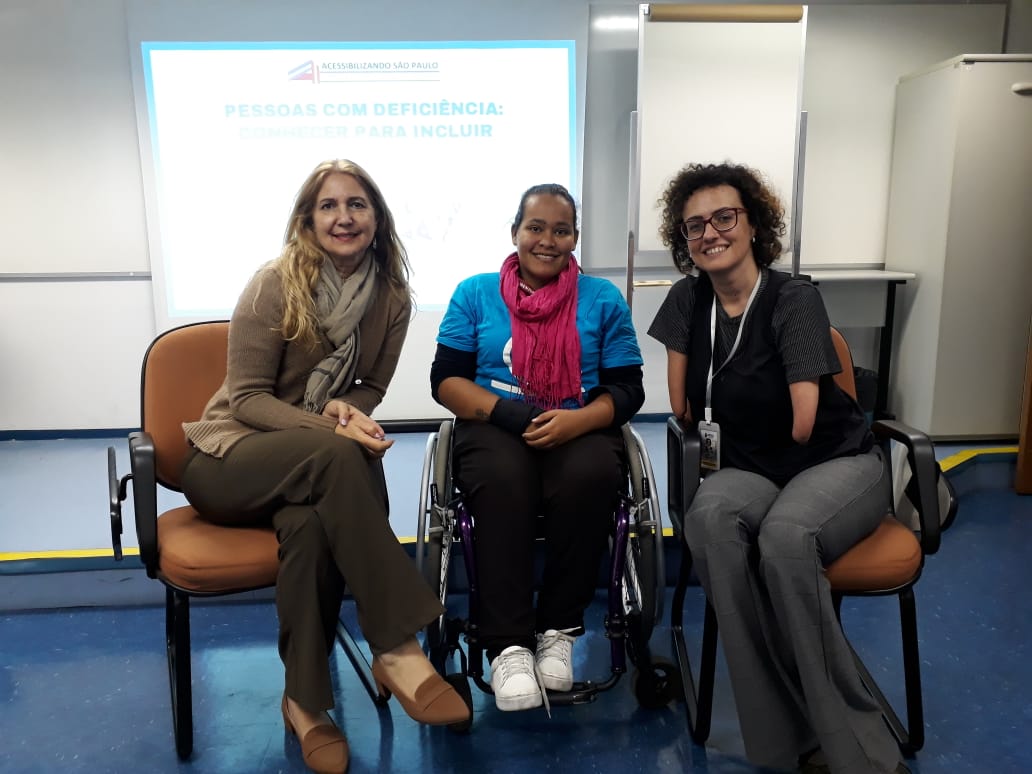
<point x="786" y="339"/>
<point x="798" y="312"/>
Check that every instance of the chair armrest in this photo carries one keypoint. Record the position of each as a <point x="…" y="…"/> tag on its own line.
<point x="684" y="453"/>
<point x="924" y="469"/>
<point x="145" y="498"/>
<point x="116" y="494"/>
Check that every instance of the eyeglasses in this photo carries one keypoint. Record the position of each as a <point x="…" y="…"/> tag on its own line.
<point x="723" y="219"/>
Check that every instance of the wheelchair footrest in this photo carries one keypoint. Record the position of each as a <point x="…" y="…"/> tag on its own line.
<point x="581" y="693"/>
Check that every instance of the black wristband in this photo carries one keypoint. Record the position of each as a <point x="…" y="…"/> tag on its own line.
<point x="513" y="415"/>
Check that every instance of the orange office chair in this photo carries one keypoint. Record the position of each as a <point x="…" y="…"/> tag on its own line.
<point x="182" y="369"/>
<point x="887" y="562"/>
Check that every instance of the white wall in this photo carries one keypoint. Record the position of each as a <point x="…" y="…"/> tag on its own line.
<point x="71" y="198"/>
<point x="1019" y="27"/>
<point x="854" y="58"/>
<point x="71" y="183"/>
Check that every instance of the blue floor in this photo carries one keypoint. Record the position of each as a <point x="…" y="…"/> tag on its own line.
<point x="85" y="689"/>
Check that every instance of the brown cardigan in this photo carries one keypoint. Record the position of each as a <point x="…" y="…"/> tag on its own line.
<point x="266" y="375"/>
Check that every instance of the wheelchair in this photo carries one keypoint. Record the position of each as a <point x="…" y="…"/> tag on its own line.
<point x="635" y="580"/>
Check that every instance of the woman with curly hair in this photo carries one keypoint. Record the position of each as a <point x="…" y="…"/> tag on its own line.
<point x="793" y="478"/>
<point x="287" y="440"/>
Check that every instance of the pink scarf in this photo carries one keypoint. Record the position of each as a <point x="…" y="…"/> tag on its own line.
<point x="546" y="349"/>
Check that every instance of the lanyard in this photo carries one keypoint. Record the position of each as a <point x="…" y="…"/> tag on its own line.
<point x="713" y="341"/>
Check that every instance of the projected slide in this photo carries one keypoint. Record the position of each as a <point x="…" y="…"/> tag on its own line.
<point x="452" y="132"/>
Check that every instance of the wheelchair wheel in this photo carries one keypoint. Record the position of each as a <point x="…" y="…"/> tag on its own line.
<point x="434" y="551"/>
<point x="643" y="570"/>
<point x="658" y="686"/>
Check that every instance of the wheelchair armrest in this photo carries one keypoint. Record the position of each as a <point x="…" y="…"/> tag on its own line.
<point x="924" y="470"/>
<point x="145" y="498"/>
<point x="684" y="454"/>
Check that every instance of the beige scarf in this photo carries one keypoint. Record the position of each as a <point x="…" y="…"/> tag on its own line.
<point x="339" y="308"/>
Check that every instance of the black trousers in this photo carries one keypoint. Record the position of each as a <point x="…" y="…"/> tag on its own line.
<point x="507" y="485"/>
<point x="327" y="501"/>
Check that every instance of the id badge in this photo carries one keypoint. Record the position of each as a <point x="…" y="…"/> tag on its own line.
<point x="709" y="435"/>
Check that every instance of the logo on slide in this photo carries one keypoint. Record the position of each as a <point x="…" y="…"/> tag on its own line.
<point x="365" y="70"/>
<point x="304" y="72"/>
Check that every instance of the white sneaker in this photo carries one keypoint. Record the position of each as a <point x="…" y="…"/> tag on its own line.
<point x="554" y="659"/>
<point x="513" y="680"/>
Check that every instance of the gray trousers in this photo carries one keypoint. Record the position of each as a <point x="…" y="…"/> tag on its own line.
<point x="327" y="501"/>
<point x="759" y="552"/>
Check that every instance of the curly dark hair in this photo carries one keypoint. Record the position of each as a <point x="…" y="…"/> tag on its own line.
<point x="766" y="213"/>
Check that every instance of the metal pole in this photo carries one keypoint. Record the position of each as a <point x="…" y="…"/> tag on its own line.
<point x="797" y="195"/>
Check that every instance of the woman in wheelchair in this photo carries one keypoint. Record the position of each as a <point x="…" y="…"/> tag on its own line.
<point x="792" y="476"/>
<point x="287" y="440"/>
<point x="540" y="365"/>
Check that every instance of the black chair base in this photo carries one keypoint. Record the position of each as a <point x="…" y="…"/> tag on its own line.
<point x="177" y="644"/>
<point x="909" y="736"/>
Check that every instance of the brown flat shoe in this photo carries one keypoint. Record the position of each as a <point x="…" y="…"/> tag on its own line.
<point x="324" y="747"/>
<point x="436" y="703"/>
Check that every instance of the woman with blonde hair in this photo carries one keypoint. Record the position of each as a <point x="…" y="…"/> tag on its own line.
<point x="287" y="440"/>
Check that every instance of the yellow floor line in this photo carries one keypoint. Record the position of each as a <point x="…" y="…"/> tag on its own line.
<point x="947" y="463"/>
<point x="78" y="553"/>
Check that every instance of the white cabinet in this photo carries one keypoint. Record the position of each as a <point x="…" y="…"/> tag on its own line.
<point x="960" y="218"/>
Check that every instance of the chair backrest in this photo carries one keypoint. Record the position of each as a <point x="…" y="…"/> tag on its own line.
<point x="845" y="378"/>
<point x="182" y="369"/>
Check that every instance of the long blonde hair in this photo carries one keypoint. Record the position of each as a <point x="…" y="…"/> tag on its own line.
<point x="302" y="258"/>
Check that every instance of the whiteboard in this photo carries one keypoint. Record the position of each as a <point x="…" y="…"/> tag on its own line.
<point x="710" y="92"/>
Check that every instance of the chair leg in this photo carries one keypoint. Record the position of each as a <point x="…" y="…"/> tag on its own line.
<point x="912" y="673"/>
<point x="707" y="673"/>
<point x="177" y="645"/>
<point x="910" y="740"/>
<point x="699" y="702"/>
<point x="358" y="660"/>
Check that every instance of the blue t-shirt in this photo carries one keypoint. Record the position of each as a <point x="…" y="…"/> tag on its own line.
<point x="478" y="321"/>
